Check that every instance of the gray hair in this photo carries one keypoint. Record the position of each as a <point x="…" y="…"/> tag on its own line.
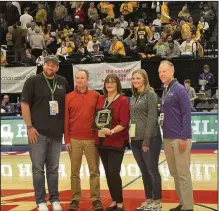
<point x="168" y="63"/>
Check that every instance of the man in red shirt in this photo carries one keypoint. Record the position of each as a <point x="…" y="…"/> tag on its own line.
<point x="79" y="137"/>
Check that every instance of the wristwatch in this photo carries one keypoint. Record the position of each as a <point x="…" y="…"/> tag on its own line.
<point x="29" y="126"/>
<point x="112" y="132"/>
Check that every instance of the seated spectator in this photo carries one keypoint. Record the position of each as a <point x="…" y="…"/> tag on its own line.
<point x="187" y="47"/>
<point x="117" y="47"/>
<point x="130" y="31"/>
<point x="86" y="38"/>
<point x="123" y="23"/>
<point x="37" y="43"/>
<point x="98" y="24"/>
<point x="99" y="35"/>
<point x="106" y="28"/>
<point x="126" y="9"/>
<point x="62" y="50"/>
<point x="92" y="13"/>
<point x="161" y="48"/>
<point x="3" y="59"/>
<point x="185" y="29"/>
<point x="48" y="36"/>
<point x="184" y="13"/>
<point x="195" y="33"/>
<point x="155" y="35"/>
<point x="41" y="15"/>
<point x="81" y="30"/>
<point x="95" y="56"/>
<point x="9" y="38"/>
<point x="81" y="48"/>
<point x="173" y="49"/>
<point x="70" y="45"/>
<point x="142" y="34"/>
<point x="40" y="59"/>
<point x="208" y="80"/>
<point x="25" y="18"/>
<point x="105" y="45"/>
<point x="132" y="44"/>
<point x="157" y="21"/>
<point x="5" y="105"/>
<point x="79" y="14"/>
<point x="191" y="92"/>
<point x="204" y="24"/>
<point x="190" y="21"/>
<point x="68" y="31"/>
<point x="28" y="59"/>
<point x="91" y="43"/>
<point x="118" y="31"/>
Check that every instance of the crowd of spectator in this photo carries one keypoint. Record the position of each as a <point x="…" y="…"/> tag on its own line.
<point x="114" y="28"/>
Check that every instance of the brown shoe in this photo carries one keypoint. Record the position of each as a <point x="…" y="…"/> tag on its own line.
<point x="97" y="205"/>
<point x="74" y="205"/>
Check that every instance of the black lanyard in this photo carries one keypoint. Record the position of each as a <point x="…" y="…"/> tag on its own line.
<point x="54" y="85"/>
<point x="167" y="92"/>
<point x="110" y="103"/>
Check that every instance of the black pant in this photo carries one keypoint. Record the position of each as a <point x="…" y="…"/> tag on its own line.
<point x="148" y="164"/>
<point x="112" y="160"/>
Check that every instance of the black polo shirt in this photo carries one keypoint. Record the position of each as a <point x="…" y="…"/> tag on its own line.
<point x="37" y="94"/>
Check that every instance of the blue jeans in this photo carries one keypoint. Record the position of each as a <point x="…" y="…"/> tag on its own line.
<point x="46" y="151"/>
<point x="148" y="164"/>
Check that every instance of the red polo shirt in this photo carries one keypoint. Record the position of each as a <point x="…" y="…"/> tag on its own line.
<point x="121" y="116"/>
<point x="79" y="115"/>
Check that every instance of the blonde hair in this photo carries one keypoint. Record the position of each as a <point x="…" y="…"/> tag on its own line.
<point x="147" y="86"/>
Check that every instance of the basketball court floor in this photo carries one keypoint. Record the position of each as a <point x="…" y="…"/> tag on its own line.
<point x="17" y="190"/>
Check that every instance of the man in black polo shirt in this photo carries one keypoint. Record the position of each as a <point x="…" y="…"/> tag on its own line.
<point x="43" y="103"/>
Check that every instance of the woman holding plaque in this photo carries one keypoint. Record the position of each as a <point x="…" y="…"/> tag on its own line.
<point x="146" y="138"/>
<point x="112" y="121"/>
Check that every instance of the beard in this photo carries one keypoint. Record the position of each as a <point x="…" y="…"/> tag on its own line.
<point x="49" y="74"/>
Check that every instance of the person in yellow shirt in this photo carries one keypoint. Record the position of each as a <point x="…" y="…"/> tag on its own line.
<point x="41" y="15"/>
<point x="142" y="35"/>
<point x="110" y="11"/>
<point x="3" y="59"/>
<point x="165" y="18"/>
<point x="126" y="9"/>
<point x="69" y="45"/>
<point x="86" y="38"/>
<point x="102" y="6"/>
<point x="185" y="29"/>
<point x="117" y="47"/>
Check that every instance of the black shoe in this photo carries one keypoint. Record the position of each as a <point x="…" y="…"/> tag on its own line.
<point x="97" y="205"/>
<point x="74" y="205"/>
<point x="120" y="208"/>
<point x="178" y="208"/>
<point x="111" y="208"/>
<point x="187" y="210"/>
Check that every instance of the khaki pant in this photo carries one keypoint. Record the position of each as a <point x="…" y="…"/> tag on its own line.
<point x="93" y="161"/>
<point x="179" y="167"/>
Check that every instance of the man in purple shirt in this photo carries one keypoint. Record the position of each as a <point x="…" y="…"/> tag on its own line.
<point x="177" y="134"/>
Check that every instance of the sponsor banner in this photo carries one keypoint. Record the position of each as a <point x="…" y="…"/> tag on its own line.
<point x="98" y="72"/>
<point x="204" y="127"/>
<point x="13" y="78"/>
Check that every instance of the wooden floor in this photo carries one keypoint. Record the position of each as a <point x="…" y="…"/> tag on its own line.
<point x="17" y="190"/>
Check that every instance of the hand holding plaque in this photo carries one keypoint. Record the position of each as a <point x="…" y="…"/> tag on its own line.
<point x="103" y="119"/>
